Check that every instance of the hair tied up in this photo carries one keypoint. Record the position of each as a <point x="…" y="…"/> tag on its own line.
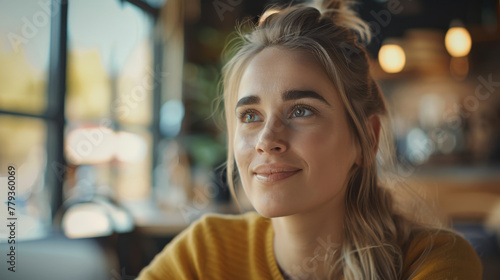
<point x="341" y="13"/>
<point x="330" y="4"/>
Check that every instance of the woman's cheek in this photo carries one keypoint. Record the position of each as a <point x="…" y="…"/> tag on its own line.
<point x="242" y="150"/>
<point x="243" y="142"/>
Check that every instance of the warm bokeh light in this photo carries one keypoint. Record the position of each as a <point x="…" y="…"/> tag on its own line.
<point x="392" y="58"/>
<point x="96" y="145"/>
<point x="90" y="145"/>
<point x="131" y="148"/>
<point x="86" y="220"/>
<point x="458" y="41"/>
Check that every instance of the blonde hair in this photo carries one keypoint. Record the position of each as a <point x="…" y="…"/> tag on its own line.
<point x="374" y="230"/>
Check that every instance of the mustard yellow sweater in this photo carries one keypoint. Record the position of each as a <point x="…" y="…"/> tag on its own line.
<point x="241" y="247"/>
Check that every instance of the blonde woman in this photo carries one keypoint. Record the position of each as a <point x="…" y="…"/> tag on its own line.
<point x="305" y="121"/>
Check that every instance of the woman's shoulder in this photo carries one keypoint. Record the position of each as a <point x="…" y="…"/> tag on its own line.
<point x="438" y="241"/>
<point x="204" y="248"/>
<point x="440" y="254"/>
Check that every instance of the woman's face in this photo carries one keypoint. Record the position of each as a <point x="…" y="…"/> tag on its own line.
<point x="292" y="143"/>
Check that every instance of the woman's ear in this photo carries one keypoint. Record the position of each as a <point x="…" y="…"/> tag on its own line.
<point x="374" y="130"/>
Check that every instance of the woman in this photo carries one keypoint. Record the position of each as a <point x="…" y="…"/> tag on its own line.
<point x="305" y="122"/>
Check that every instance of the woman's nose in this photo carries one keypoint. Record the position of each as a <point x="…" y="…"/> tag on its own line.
<point x="271" y="138"/>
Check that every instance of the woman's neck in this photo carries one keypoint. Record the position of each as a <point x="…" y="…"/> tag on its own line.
<point x="301" y="241"/>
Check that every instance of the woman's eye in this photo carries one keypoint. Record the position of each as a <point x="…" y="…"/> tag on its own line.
<point x="299" y="112"/>
<point x="250" y="117"/>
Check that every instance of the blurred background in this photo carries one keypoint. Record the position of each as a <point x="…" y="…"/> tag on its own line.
<point x="107" y="114"/>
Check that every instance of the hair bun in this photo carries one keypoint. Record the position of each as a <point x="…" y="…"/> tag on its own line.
<point x="342" y="13"/>
<point x="330" y="4"/>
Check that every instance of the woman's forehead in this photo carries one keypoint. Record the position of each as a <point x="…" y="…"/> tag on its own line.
<point x="276" y="70"/>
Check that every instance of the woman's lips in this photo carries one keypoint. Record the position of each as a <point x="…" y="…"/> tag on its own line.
<point x="274" y="177"/>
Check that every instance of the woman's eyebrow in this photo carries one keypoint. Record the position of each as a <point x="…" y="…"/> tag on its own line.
<point x="298" y="94"/>
<point x="248" y="100"/>
<point x="287" y="96"/>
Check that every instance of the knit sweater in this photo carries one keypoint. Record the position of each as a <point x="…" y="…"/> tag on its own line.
<point x="241" y="247"/>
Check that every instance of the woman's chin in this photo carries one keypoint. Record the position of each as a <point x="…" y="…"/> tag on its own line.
<point x="275" y="204"/>
<point x="274" y="212"/>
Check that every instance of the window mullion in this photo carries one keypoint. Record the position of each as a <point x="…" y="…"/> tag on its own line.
<point x="56" y="102"/>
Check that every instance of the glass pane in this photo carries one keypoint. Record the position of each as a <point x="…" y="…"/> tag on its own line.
<point x="106" y="161"/>
<point x="22" y="145"/>
<point x="109" y="62"/>
<point x="134" y="158"/>
<point x="24" y="55"/>
<point x="133" y="103"/>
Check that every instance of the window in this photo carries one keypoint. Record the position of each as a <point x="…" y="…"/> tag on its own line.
<point x="77" y="101"/>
